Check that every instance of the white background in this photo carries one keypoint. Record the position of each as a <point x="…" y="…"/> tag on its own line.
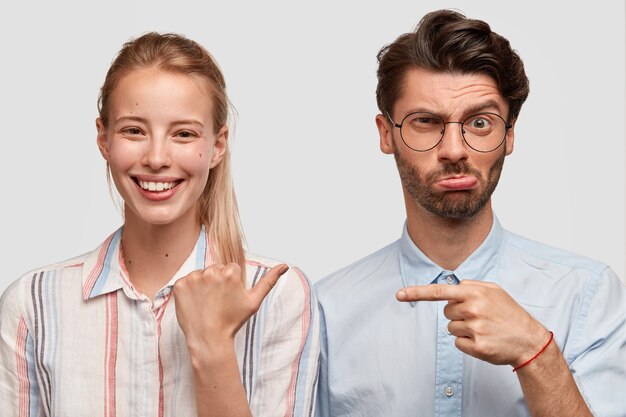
<point x="313" y="187"/>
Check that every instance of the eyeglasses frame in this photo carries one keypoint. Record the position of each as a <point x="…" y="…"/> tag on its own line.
<point x="507" y="126"/>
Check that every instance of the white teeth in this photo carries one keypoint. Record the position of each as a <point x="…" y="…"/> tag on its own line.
<point x="156" y="186"/>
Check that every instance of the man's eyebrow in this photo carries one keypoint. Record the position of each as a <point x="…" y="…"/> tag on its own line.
<point x="468" y="111"/>
<point x="418" y="110"/>
<point x="487" y="105"/>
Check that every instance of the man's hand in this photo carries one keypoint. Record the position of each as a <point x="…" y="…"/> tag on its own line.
<point x="212" y="304"/>
<point x="486" y="321"/>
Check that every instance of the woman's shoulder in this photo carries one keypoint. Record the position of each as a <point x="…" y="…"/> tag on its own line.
<point x="74" y="263"/>
<point x="294" y="283"/>
<point x="36" y="282"/>
<point x="263" y="263"/>
<point x="69" y="271"/>
<point x="255" y="260"/>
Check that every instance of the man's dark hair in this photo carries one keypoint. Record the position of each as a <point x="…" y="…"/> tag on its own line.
<point x="447" y="41"/>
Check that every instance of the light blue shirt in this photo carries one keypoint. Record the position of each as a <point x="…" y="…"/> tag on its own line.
<point x="381" y="357"/>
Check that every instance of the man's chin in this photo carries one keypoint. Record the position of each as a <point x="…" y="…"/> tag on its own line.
<point x="454" y="209"/>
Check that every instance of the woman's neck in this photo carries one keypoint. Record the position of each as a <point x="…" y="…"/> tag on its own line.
<point x="153" y="253"/>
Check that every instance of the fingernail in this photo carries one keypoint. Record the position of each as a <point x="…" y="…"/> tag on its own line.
<point x="284" y="269"/>
<point x="401" y="295"/>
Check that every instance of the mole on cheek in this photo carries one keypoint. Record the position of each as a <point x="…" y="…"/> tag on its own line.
<point x="200" y="155"/>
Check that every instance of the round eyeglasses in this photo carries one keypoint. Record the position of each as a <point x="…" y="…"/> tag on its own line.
<point x="483" y="132"/>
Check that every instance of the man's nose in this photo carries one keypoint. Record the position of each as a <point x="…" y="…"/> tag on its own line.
<point x="452" y="147"/>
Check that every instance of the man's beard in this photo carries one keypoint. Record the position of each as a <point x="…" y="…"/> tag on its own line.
<point x="449" y="204"/>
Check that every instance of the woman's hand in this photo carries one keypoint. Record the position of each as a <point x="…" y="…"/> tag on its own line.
<point x="212" y="304"/>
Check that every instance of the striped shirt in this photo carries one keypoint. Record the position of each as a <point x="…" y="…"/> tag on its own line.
<point x="76" y="339"/>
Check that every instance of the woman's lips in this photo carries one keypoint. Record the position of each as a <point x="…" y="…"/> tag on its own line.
<point x="156" y="190"/>
<point x="458" y="183"/>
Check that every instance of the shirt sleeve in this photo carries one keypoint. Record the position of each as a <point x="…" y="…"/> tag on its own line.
<point x="19" y="390"/>
<point x="322" y="408"/>
<point x="286" y="382"/>
<point x="598" y="360"/>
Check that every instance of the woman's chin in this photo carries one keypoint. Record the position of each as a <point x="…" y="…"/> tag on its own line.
<point x="159" y="217"/>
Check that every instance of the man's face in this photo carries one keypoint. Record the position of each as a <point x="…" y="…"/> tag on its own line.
<point x="452" y="180"/>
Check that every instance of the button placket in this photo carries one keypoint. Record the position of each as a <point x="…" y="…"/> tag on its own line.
<point x="449" y="370"/>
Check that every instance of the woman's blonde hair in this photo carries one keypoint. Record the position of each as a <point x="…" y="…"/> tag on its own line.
<point x="175" y="53"/>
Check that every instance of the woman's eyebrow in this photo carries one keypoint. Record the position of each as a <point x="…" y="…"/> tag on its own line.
<point x="187" y="122"/>
<point x="145" y="121"/>
<point x="131" y="119"/>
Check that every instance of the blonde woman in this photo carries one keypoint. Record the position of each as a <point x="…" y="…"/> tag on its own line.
<point x="169" y="316"/>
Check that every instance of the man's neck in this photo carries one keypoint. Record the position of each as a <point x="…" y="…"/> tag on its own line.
<point x="448" y="242"/>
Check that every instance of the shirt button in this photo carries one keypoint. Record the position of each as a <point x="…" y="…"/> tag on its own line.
<point x="449" y="391"/>
<point x="450" y="279"/>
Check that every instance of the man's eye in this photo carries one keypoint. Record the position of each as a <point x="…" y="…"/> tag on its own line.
<point x="425" y="120"/>
<point x="423" y="123"/>
<point x="480" y="123"/>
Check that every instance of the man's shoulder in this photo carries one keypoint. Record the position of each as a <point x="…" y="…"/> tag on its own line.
<point x="356" y="272"/>
<point x="544" y="255"/>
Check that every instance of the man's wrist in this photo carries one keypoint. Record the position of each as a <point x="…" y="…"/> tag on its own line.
<point x="536" y="355"/>
<point x="535" y="341"/>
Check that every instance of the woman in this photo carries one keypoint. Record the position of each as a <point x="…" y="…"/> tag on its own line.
<point x="169" y="316"/>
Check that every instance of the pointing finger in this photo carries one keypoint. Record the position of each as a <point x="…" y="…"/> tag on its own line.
<point x="432" y="292"/>
<point x="266" y="283"/>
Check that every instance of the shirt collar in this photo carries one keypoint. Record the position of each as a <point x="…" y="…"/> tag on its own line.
<point x="417" y="269"/>
<point x="104" y="271"/>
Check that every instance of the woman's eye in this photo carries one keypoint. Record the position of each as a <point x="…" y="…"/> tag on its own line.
<point x="185" y="134"/>
<point x="132" y="131"/>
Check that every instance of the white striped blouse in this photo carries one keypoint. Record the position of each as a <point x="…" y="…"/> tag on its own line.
<point x="76" y="339"/>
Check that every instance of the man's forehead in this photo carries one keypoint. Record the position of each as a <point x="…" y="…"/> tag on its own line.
<point x="448" y="93"/>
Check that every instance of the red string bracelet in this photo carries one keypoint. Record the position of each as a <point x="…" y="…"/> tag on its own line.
<point x="538" y="353"/>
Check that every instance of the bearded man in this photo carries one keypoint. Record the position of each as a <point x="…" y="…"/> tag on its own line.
<point x="433" y="324"/>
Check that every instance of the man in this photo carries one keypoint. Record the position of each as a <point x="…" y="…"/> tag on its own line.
<point x="433" y="323"/>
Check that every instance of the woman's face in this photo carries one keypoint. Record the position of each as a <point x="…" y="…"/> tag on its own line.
<point x="160" y="143"/>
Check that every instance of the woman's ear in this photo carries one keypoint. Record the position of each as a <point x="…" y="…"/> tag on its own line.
<point x="219" y="147"/>
<point x="103" y="141"/>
